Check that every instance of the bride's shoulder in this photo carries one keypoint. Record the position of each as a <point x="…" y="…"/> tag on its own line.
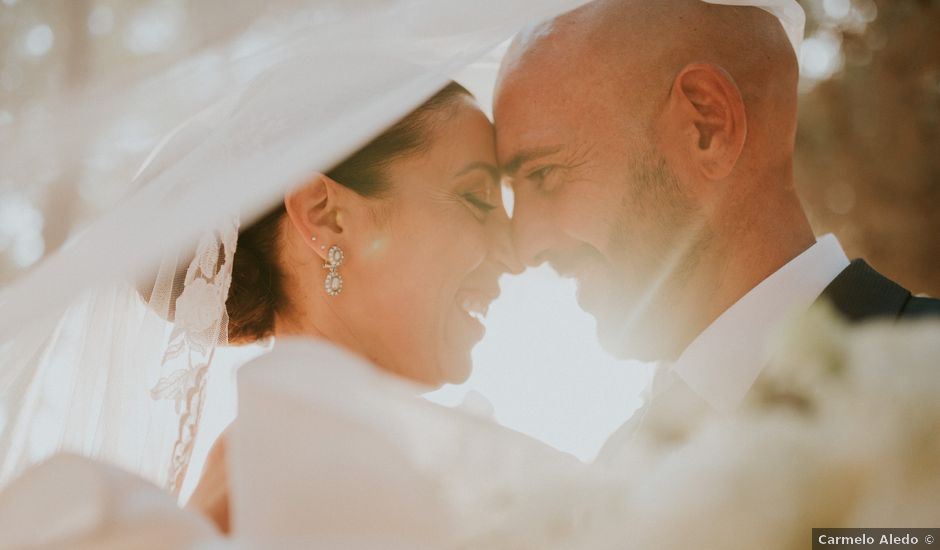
<point x="391" y="462"/>
<point x="319" y="376"/>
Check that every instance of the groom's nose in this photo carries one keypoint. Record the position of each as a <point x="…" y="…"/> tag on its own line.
<point x="531" y="230"/>
<point x="502" y="250"/>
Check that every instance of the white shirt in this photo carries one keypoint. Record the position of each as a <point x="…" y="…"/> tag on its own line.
<point x="722" y="363"/>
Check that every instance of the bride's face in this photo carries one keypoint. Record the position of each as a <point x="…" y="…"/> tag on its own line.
<point x="425" y="265"/>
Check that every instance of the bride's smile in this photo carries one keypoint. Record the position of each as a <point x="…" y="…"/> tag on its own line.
<point x="394" y="254"/>
<point x="448" y="243"/>
<point x="323" y="190"/>
<point x="416" y="217"/>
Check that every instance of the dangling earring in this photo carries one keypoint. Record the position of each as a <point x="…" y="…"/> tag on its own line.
<point x="334" y="281"/>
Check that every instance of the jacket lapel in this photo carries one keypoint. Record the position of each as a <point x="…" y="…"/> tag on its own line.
<point x="860" y="292"/>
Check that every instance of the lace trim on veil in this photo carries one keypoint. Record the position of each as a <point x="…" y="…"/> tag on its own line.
<point x="200" y="325"/>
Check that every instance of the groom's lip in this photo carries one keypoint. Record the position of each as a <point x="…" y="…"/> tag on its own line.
<point x="564" y="268"/>
<point x="564" y="272"/>
<point x="573" y="262"/>
<point x="572" y="271"/>
<point x="589" y="295"/>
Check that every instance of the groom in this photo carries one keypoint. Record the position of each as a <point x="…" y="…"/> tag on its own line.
<point x="650" y="148"/>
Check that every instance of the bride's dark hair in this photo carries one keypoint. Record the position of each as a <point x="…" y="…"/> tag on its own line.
<point x="256" y="292"/>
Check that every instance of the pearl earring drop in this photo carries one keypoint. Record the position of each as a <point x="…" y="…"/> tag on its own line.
<point x="334" y="281"/>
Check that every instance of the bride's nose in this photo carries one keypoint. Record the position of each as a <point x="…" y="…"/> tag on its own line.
<point x="501" y="249"/>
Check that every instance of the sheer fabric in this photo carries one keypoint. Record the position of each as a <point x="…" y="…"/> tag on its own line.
<point x="85" y="362"/>
<point x="90" y="361"/>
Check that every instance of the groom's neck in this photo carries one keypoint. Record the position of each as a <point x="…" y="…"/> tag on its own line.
<point x="750" y="245"/>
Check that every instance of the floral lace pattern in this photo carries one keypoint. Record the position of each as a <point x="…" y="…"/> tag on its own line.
<point x="200" y="324"/>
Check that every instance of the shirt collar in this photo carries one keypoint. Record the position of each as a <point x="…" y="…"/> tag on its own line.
<point x="723" y="362"/>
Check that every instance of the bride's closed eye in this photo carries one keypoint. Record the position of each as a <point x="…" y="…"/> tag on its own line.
<point x="481" y="196"/>
<point x="479" y="204"/>
<point x="479" y="188"/>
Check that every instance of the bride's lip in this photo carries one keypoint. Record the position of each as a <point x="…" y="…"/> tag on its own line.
<point x="476" y="302"/>
<point x="473" y="304"/>
<point x="473" y="324"/>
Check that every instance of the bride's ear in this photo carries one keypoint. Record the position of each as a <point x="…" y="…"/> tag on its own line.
<point x="315" y="210"/>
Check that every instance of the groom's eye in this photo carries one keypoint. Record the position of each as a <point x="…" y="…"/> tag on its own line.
<point x="540" y="175"/>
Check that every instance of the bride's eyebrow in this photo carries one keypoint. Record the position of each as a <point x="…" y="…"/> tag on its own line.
<point x="511" y="167"/>
<point x="490" y="169"/>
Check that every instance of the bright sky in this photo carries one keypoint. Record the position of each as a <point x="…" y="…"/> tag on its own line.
<point x="542" y="368"/>
<point x="540" y="365"/>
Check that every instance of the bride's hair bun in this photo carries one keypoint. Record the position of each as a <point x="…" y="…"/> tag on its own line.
<point x="256" y="289"/>
<point x="256" y="293"/>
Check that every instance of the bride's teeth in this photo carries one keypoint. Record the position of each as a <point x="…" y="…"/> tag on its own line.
<point x="474" y="308"/>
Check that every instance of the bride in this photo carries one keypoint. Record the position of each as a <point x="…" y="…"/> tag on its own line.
<point x="393" y="254"/>
<point x="371" y="275"/>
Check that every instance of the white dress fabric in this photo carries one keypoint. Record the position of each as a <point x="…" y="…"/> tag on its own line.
<point x="326" y="452"/>
<point x="325" y="448"/>
<point x="85" y="364"/>
<point x="73" y="503"/>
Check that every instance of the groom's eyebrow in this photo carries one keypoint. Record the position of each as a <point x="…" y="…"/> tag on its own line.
<point x="516" y="162"/>
<point x="490" y="169"/>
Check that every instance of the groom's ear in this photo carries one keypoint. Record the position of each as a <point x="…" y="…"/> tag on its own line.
<point x="709" y="111"/>
<point x="316" y="213"/>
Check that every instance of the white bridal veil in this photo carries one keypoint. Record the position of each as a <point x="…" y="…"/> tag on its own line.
<point x="88" y="361"/>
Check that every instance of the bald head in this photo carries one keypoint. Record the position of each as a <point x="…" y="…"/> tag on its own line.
<point x="627" y="53"/>
<point x="650" y="148"/>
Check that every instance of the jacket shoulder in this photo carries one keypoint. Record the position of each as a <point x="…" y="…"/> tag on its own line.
<point x="919" y="306"/>
<point x="860" y="293"/>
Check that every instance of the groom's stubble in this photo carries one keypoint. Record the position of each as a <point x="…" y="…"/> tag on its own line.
<point x="680" y="247"/>
<point x="667" y="256"/>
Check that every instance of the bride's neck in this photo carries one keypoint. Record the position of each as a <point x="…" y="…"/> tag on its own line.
<point x="288" y="326"/>
<point x="304" y="323"/>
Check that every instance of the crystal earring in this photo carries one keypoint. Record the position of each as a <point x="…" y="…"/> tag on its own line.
<point x="334" y="281"/>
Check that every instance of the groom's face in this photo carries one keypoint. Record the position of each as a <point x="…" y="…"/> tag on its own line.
<point x="594" y="194"/>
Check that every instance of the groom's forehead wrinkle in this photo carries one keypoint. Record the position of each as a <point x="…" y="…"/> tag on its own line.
<point x="516" y="162"/>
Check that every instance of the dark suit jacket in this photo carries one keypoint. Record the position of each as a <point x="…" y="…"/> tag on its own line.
<point x="861" y="293"/>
